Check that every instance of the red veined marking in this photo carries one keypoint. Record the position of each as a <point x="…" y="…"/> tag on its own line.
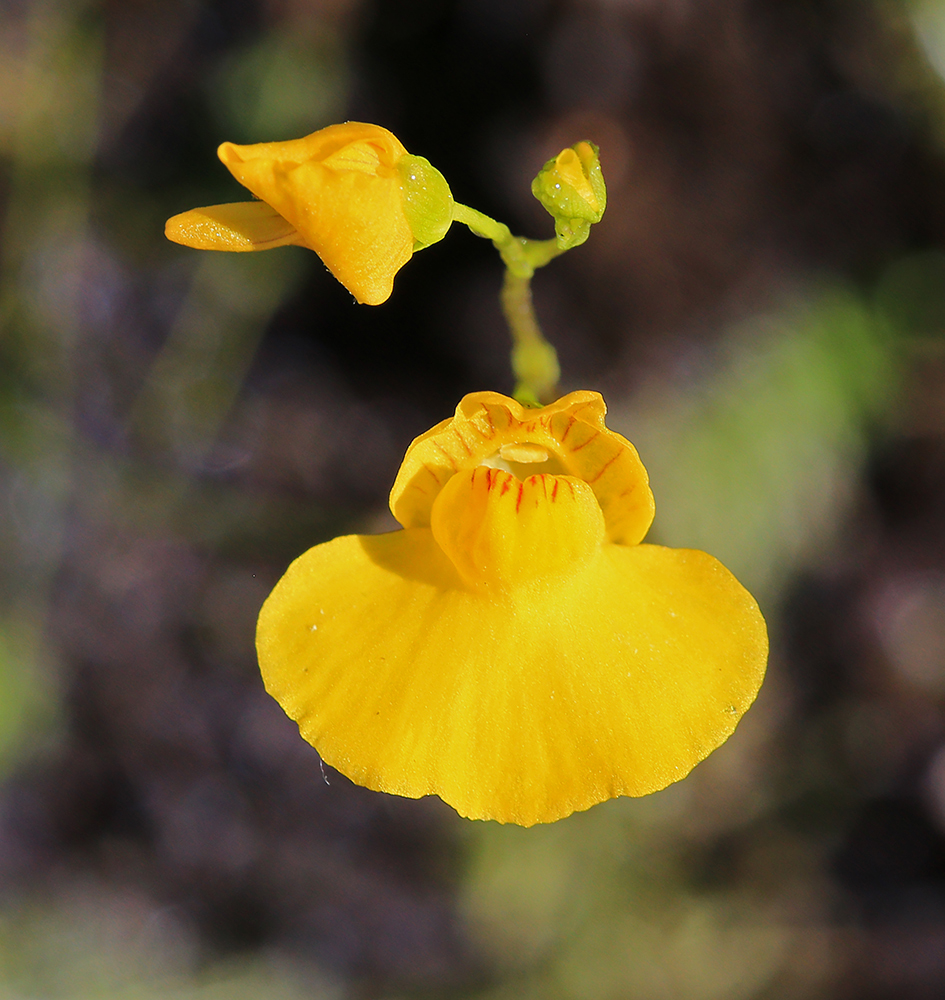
<point x="627" y="492"/>
<point x="544" y="487"/>
<point x="554" y="490"/>
<point x="570" y="486"/>
<point x="587" y="441"/>
<point x="452" y="461"/>
<point x="417" y="486"/>
<point x="581" y="407"/>
<point x="518" y="502"/>
<point x="436" y="478"/>
<point x="480" y="431"/>
<point x="571" y="422"/>
<point x="462" y="441"/>
<point x="607" y="465"/>
<point x="506" y="486"/>
<point x="503" y="418"/>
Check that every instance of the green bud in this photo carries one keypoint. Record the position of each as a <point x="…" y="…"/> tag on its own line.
<point x="572" y="189"/>
<point x="428" y="202"/>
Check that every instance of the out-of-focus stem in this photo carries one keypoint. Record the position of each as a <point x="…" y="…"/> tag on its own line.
<point x="534" y="360"/>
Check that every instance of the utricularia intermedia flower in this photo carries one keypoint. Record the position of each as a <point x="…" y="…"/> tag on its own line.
<point x="350" y="192"/>
<point x="514" y="649"/>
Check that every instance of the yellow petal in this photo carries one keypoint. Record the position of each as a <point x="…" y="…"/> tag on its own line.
<point x="571" y="431"/>
<point x="356" y="224"/>
<point x="499" y="531"/>
<point x="240" y="226"/>
<point x="571" y="170"/>
<point x="341" y="190"/>
<point x="521" y="707"/>
<point x="320" y="146"/>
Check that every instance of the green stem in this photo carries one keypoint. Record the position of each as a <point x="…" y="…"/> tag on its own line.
<point x="534" y="360"/>
<point x="480" y="224"/>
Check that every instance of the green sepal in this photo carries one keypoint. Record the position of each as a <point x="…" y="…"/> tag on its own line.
<point x="428" y="201"/>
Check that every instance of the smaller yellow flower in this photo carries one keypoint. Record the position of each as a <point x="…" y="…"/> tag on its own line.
<point x="350" y="192"/>
<point x="515" y="649"/>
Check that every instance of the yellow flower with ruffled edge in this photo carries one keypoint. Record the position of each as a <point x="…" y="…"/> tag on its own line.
<point x="514" y="649"/>
<point x="351" y="192"/>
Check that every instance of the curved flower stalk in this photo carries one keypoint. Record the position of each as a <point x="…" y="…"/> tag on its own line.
<point x="350" y="192"/>
<point x="515" y="649"/>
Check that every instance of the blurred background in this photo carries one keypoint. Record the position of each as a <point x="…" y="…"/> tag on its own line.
<point x="763" y="308"/>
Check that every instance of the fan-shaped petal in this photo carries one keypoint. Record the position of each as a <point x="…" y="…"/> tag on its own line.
<point x="521" y="706"/>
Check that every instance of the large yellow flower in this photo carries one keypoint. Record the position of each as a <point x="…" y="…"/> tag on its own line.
<point x="514" y="649"/>
<point x="350" y="192"/>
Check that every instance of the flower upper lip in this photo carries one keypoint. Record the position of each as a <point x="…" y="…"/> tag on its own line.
<point x="571" y="430"/>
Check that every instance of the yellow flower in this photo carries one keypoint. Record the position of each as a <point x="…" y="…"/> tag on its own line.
<point x="514" y="649"/>
<point x="350" y="192"/>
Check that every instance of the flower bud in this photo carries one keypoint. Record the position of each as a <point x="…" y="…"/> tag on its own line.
<point x="572" y="189"/>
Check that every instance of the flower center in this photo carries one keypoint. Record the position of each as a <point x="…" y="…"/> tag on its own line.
<point x="523" y="452"/>
<point x="524" y="459"/>
<point x="500" y="531"/>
